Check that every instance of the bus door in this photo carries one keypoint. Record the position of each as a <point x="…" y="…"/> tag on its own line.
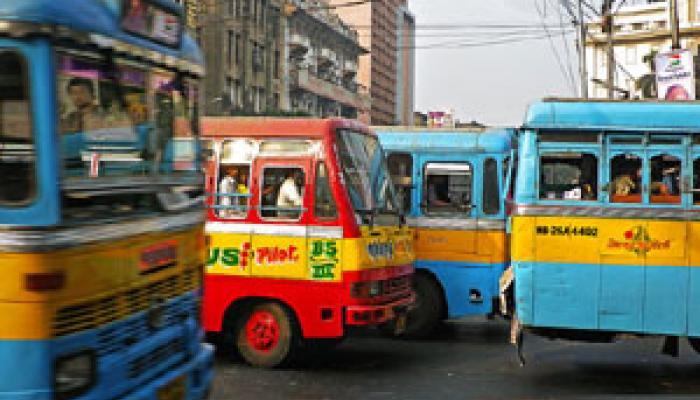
<point x="666" y="274"/>
<point x="448" y="213"/>
<point x="283" y="195"/>
<point x="621" y="270"/>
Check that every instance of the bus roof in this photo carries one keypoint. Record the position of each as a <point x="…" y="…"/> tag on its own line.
<point x="614" y="115"/>
<point x="223" y="127"/>
<point x="91" y="16"/>
<point x="415" y="139"/>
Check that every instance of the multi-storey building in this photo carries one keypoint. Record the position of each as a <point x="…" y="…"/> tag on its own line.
<point x="641" y="29"/>
<point x="387" y="29"/>
<point x="245" y="52"/>
<point x="322" y="60"/>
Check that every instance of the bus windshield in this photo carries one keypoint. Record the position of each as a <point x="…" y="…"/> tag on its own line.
<point x="118" y="118"/>
<point x="366" y="174"/>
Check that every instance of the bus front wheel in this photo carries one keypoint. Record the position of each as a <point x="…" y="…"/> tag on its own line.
<point x="428" y="309"/>
<point x="267" y="335"/>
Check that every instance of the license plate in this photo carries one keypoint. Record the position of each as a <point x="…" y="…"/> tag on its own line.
<point x="174" y="390"/>
<point x="400" y="324"/>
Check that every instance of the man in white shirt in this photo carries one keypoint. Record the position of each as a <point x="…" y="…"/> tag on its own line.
<point x="289" y="197"/>
<point x="228" y="185"/>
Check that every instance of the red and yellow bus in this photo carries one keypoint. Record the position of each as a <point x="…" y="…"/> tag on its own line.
<point x="306" y="237"/>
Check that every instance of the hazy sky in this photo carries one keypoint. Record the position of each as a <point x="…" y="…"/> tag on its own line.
<point x="491" y="84"/>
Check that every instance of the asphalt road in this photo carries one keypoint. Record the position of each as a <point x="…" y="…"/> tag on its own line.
<point x="470" y="360"/>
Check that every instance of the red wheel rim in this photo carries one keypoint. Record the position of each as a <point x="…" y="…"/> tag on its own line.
<point x="262" y="331"/>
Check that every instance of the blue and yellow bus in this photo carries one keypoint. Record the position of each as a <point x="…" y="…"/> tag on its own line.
<point x="452" y="187"/>
<point x="606" y="221"/>
<point x="102" y="250"/>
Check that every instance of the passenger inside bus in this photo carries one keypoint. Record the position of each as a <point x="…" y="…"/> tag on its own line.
<point x="289" y="196"/>
<point x="665" y="179"/>
<point x="233" y="184"/>
<point x="87" y="114"/>
<point x="626" y="174"/>
<point x="282" y="193"/>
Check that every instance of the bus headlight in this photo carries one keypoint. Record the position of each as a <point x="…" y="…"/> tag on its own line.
<point x="74" y="375"/>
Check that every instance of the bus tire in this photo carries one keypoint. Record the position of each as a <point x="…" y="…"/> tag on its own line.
<point x="267" y="335"/>
<point x="695" y="344"/>
<point x="428" y="310"/>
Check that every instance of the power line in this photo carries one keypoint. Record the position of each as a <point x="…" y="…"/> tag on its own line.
<point x="462" y="45"/>
<point x="554" y="49"/>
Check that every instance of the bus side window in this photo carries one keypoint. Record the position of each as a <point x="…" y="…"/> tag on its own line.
<point x="568" y="176"/>
<point x="665" y="172"/>
<point x="233" y="191"/>
<point x="325" y="206"/>
<point x="696" y="181"/>
<point x="491" y="195"/>
<point x="282" y="193"/>
<point x="626" y="179"/>
<point x="448" y="188"/>
<point x="17" y="157"/>
<point x="401" y="170"/>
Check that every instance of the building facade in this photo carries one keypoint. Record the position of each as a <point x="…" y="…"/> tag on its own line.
<point x="323" y="62"/>
<point x="244" y="44"/>
<point x="387" y="29"/>
<point x="641" y="29"/>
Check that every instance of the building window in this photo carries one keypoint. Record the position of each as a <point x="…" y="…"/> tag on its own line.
<point x="231" y="42"/>
<point x="276" y="71"/>
<point x="238" y="50"/>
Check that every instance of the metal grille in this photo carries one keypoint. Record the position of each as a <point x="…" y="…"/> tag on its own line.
<point x="114" y="306"/>
<point x="154" y="360"/>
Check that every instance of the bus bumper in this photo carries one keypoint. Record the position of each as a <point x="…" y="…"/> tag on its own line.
<point x="191" y="380"/>
<point x="365" y="315"/>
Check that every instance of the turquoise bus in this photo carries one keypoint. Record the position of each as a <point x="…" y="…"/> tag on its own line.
<point x="101" y="247"/>
<point x="452" y="185"/>
<point x="605" y="227"/>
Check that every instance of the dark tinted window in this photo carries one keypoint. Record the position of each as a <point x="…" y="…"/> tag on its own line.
<point x="17" y="157"/>
<point x="491" y="196"/>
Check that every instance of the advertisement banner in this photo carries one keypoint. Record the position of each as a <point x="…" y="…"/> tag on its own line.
<point x="675" y="75"/>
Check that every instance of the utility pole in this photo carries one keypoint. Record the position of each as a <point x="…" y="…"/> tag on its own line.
<point x="675" y="30"/>
<point x="582" y="67"/>
<point x="608" y="27"/>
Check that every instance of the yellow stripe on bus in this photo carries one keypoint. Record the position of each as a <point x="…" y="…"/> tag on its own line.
<point x="584" y="240"/>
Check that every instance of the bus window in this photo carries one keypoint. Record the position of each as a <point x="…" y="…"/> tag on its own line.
<point x="101" y="108"/>
<point x="696" y="181"/>
<point x="17" y="159"/>
<point x="233" y="191"/>
<point x="325" y="207"/>
<point x="491" y="197"/>
<point x="568" y="176"/>
<point x="448" y="188"/>
<point x="626" y="179"/>
<point x="665" y="172"/>
<point x="401" y="171"/>
<point x="282" y="193"/>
